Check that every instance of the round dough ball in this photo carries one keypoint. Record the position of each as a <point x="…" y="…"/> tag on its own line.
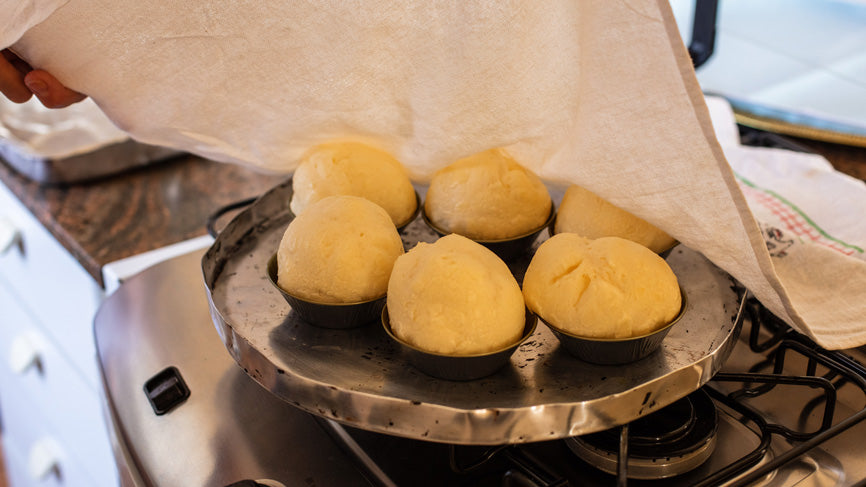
<point x="586" y="214"/>
<point x="352" y="168"/>
<point x="487" y="196"/>
<point x="605" y="288"/>
<point x="340" y="250"/>
<point x="455" y="297"/>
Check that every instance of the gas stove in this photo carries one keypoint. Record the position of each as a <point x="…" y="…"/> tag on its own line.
<point x="782" y="412"/>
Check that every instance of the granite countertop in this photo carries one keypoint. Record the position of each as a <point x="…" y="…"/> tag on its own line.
<point x="130" y="213"/>
<point x="847" y="159"/>
<point x="169" y="202"/>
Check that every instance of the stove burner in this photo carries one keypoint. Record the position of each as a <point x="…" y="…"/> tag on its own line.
<point x="668" y="442"/>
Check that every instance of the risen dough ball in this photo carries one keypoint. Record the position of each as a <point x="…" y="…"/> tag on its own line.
<point x="487" y="196"/>
<point x="455" y="297"/>
<point x="584" y="213"/>
<point x="604" y="288"/>
<point x="340" y="250"/>
<point x="351" y="168"/>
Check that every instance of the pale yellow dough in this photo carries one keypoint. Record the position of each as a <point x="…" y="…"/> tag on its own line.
<point x="487" y="196"/>
<point x="352" y="168"/>
<point x="604" y="288"/>
<point x="340" y="250"/>
<point x="455" y="297"/>
<point x="586" y="214"/>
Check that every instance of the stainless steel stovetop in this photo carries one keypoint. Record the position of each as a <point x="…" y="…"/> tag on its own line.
<point x="231" y="431"/>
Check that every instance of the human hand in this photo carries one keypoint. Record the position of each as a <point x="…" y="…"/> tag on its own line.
<point x="18" y="82"/>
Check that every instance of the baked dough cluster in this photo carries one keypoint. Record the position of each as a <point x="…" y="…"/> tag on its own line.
<point x="588" y="215"/>
<point x="487" y="196"/>
<point x="340" y="250"/>
<point x="455" y="297"/>
<point x="604" y="288"/>
<point x="352" y="168"/>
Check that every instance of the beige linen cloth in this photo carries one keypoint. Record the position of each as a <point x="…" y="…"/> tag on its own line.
<point x="595" y="92"/>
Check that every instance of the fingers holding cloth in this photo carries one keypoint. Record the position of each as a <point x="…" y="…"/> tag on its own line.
<point x="19" y="81"/>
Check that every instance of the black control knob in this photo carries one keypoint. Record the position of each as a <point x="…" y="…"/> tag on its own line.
<point x="166" y="390"/>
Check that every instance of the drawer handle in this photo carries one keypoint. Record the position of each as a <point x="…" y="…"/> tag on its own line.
<point x="44" y="459"/>
<point x="9" y="234"/>
<point x="26" y="352"/>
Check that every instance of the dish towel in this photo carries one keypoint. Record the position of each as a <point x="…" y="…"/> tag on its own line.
<point x="599" y="93"/>
<point x="811" y="218"/>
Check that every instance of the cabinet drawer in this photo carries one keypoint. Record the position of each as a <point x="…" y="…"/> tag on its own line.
<point x="40" y="461"/>
<point x="39" y="273"/>
<point x="47" y="395"/>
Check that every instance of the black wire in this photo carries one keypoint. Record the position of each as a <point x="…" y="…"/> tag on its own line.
<point x="485" y="457"/>
<point x="210" y="224"/>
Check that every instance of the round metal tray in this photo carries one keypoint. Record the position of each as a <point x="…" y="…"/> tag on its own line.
<point x="359" y="378"/>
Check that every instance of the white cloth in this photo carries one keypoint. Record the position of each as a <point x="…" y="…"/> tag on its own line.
<point x="20" y="15"/>
<point x="599" y="93"/>
<point x="811" y="217"/>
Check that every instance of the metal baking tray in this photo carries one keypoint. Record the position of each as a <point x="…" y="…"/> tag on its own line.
<point x="359" y="378"/>
<point x="95" y="163"/>
<point x="69" y="145"/>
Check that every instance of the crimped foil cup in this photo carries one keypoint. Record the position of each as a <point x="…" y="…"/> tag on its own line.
<point x="459" y="367"/>
<point x="329" y="315"/>
<point x="615" y="351"/>
<point x="506" y="248"/>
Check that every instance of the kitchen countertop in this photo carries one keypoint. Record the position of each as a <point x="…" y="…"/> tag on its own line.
<point x="847" y="159"/>
<point x="130" y="213"/>
<point x="169" y="202"/>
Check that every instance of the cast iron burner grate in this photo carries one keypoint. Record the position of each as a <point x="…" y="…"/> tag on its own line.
<point x="782" y="344"/>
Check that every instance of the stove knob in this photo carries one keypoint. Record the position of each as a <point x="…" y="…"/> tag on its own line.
<point x="166" y="390"/>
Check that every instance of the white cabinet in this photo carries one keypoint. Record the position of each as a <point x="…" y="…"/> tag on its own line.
<point x="53" y="427"/>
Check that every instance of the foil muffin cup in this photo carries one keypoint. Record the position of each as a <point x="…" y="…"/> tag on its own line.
<point x="506" y="248"/>
<point x="459" y="367"/>
<point x="328" y="315"/>
<point x="615" y="351"/>
<point x="402" y="225"/>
